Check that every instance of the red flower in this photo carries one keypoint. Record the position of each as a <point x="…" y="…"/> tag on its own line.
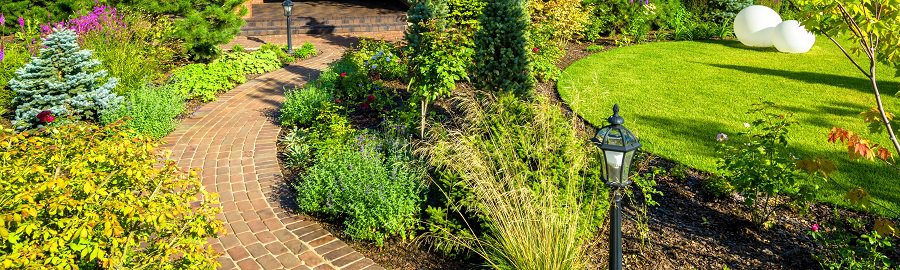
<point x="370" y="98"/>
<point x="814" y="227"/>
<point x="337" y="100"/>
<point x="535" y="50"/>
<point x="46" y="117"/>
<point x="343" y="74"/>
<point x="365" y="106"/>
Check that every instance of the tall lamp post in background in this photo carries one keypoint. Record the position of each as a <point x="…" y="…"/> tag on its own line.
<point x="618" y="146"/>
<point x="288" y="5"/>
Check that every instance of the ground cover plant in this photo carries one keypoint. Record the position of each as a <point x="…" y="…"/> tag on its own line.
<point x="720" y="80"/>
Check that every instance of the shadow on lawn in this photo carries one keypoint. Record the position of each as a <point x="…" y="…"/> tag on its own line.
<point x="853" y="83"/>
<point x="699" y="133"/>
<point x="737" y="45"/>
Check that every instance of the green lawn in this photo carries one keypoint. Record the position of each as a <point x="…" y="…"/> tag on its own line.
<point x="676" y="96"/>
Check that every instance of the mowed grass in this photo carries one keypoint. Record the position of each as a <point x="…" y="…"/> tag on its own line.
<point x="676" y="96"/>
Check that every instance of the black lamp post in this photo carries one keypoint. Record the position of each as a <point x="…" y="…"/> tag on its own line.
<point x="288" y="6"/>
<point x="618" y="146"/>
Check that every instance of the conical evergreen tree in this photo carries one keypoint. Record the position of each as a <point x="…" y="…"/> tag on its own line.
<point x="501" y="57"/>
<point x="65" y="80"/>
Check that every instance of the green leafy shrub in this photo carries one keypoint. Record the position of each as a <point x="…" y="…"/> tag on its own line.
<point x="280" y="51"/>
<point x="436" y="61"/>
<point x="257" y="62"/>
<point x="203" y="82"/>
<point x="519" y="169"/>
<point x="307" y="50"/>
<point x="381" y="59"/>
<point x="372" y="182"/>
<point x="545" y="52"/>
<point x="237" y="48"/>
<point x="151" y="111"/>
<point x="843" y="247"/>
<point x="63" y="80"/>
<point x="16" y="56"/>
<point x="361" y="73"/>
<point x="302" y="106"/>
<point x="501" y="59"/>
<point x="89" y="197"/>
<point x="759" y="165"/>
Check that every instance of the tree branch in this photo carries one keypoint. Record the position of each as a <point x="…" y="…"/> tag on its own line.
<point x="848" y="56"/>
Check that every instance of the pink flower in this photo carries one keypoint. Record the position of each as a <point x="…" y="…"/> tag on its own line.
<point x="2" y="20"/>
<point x="814" y="227"/>
<point x="338" y="100"/>
<point x="21" y="22"/>
<point x="343" y="74"/>
<point x="535" y="50"/>
<point x="46" y="117"/>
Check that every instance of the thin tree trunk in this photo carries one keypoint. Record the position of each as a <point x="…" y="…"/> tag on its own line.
<point x="422" y="124"/>
<point x="884" y="118"/>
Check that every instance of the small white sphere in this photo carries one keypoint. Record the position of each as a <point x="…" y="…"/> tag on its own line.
<point x="755" y="25"/>
<point x="791" y="37"/>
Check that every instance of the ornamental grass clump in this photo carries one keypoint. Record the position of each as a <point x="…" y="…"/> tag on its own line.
<point x="520" y="172"/>
<point x="90" y="197"/>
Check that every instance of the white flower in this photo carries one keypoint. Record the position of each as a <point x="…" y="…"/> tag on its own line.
<point x="747" y="125"/>
<point x="721" y="137"/>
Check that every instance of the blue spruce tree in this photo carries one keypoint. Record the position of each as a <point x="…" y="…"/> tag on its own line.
<point x="65" y="80"/>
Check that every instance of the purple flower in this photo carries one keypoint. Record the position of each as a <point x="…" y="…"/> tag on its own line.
<point x="101" y="18"/>
<point x="21" y="22"/>
<point x="721" y="137"/>
<point x="2" y="20"/>
<point x="2" y="53"/>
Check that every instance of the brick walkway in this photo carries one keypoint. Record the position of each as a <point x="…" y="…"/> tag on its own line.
<point x="234" y="141"/>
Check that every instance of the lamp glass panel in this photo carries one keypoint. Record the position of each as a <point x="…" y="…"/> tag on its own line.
<point x="613" y="165"/>
<point x="614" y="137"/>
<point x="287" y="10"/>
<point x="626" y="166"/>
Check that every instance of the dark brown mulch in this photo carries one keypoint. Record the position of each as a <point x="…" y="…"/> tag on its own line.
<point x="690" y="229"/>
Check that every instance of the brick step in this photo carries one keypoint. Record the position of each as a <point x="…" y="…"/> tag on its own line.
<point x="312" y="21"/>
<point x="323" y="29"/>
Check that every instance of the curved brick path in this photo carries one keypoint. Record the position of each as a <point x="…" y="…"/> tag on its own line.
<point x="234" y="141"/>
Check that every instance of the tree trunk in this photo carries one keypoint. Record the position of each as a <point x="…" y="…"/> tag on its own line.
<point x="422" y="124"/>
<point x="884" y="118"/>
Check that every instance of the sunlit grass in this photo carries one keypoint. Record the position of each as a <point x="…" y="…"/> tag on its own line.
<point x="678" y="95"/>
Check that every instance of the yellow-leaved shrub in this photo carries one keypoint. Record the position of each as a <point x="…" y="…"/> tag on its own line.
<point x="90" y="197"/>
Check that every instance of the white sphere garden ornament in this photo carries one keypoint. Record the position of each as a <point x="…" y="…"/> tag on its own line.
<point x="755" y="25"/>
<point x="791" y="37"/>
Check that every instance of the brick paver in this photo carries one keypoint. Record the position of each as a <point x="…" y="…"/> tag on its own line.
<point x="233" y="141"/>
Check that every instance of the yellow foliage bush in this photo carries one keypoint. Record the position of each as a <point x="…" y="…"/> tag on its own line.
<point x="90" y="197"/>
<point x="566" y="17"/>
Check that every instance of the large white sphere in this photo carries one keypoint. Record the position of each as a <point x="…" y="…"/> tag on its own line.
<point x="791" y="37"/>
<point x="755" y="25"/>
